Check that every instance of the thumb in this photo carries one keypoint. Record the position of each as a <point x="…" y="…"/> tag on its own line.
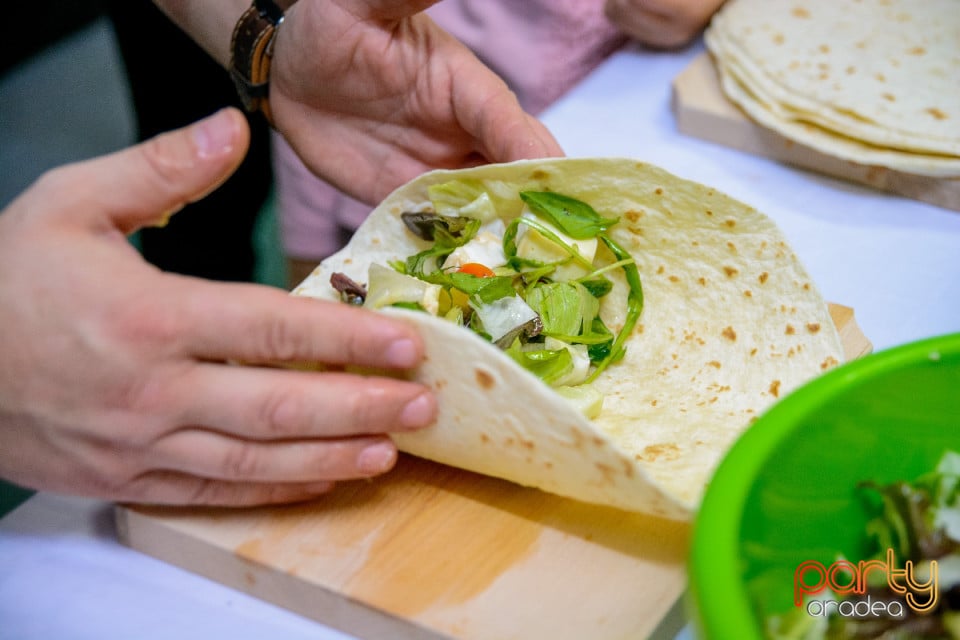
<point x="145" y="184"/>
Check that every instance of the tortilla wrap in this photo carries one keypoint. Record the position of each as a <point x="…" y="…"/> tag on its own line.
<point x="731" y="322"/>
<point x="873" y="82"/>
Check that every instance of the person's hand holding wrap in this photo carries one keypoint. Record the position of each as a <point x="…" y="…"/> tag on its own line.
<point x="372" y="93"/>
<point x="114" y="377"/>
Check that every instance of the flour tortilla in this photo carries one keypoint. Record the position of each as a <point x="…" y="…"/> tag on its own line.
<point x="731" y="322"/>
<point x="875" y="81"/>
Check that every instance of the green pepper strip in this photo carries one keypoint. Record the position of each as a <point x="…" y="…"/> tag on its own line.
<point x="634" y="305"/>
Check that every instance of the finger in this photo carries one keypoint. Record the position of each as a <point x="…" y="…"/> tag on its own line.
<point x="490" y="112"/>
<point x="146" y="183"/>
<point x="251" y="323"/>
<point x="214" y="455"/>
<point x="277" y="404"/>
<point x="175" y="488"/>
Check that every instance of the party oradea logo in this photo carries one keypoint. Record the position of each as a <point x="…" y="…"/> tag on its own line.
<point x="854" y="584"/>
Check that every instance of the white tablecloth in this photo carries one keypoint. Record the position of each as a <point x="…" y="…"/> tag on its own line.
<point x="895" y="261"/>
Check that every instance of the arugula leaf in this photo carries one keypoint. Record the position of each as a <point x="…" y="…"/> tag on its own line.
<point x="446" y="232"/>
<point x="575" y="218"/>
<point x="598" y="287"/>
<point x="634" y="306"/>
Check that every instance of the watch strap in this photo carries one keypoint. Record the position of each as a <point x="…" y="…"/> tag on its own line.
<point x="251" y="49"/>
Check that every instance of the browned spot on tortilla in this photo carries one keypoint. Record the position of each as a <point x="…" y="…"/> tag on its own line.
<point x="730" y="222"/>
<point x="439" y="384"/>
<point x="598" y="441"/>
<point x="880" y="77"/>
<point x="539" y="175"/>
<point x="653" y="403"/>
<point x="813" y="327"/>
<point x="747" y="293"/>
<point x="790" y="330"/>
<point x="753" y="351"/>
<point x="851" y="70"/>
<point x="660" y="270"/>
<point x="548" y="464"/>
<point x="729" y="334"/>
<point x="775" y="388"/>
<point x="527" y="444"/>
<point x="673" y="279"/>
<point x="732" y="247"/>
<point x="348" y="261"/>
<point x="709" y="213"/>
<point x="937" y="113"/>
<point x="632" y="215"/>
<point x="702" y="281"/>
<point x="917" y="51"/>
<point x="829" y="362"/>
<point x="778" y="38"/>
<point x="609" y="473"/>
<point x="800" y="12"/>
<point x="484" y="438"/>
<point x="639" y="329"/>
<point x="695" y="243"/>
<point x="714" y="363"/>
<point x="662" y="451"/>
<point x="730" y="271"/>
<point x="509" y="441"/>
<point x="763" y="277"/>
<point x="627" y="468"/>
<point x="658" y="191"/>
<point x="578" y="438"/>
<point x="889" y="97"/>
<point x="484" y="379"/>
<point x="375" y="241"/>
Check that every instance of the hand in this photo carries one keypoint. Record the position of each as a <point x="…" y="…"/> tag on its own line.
<point x="371" y="94"/>
<point x="662" y="24"/>
<point x="113" y="375"/>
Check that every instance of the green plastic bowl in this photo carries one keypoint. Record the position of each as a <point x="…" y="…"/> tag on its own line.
<point x="785" y="492"/>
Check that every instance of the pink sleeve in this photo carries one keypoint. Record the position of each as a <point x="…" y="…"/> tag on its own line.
<point x="541" y="48"/>
<point x="314" y="217"/>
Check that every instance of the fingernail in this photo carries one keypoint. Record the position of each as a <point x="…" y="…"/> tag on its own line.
<point x="419" y="412"/>
<point x="377" y="458"/>
<point x="214" y="135"/>
<point x="401" y="353"/>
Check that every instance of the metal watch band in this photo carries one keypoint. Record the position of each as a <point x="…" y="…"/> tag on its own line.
<point x="251" y="49"/>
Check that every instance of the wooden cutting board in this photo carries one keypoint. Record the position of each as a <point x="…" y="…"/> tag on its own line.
<point x="702" y="111"/>
<point x="429" y="551"/>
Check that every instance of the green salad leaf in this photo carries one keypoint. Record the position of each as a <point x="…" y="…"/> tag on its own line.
<point x="575" y="218"/>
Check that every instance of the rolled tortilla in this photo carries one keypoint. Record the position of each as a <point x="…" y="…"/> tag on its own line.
<point x="731" y="322"/>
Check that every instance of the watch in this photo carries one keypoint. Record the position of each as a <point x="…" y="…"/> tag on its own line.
<point x="251" y="49"/>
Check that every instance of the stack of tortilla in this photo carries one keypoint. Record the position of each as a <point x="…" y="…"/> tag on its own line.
<point x="731" y="322"/>
<point x="876" y="82"/>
